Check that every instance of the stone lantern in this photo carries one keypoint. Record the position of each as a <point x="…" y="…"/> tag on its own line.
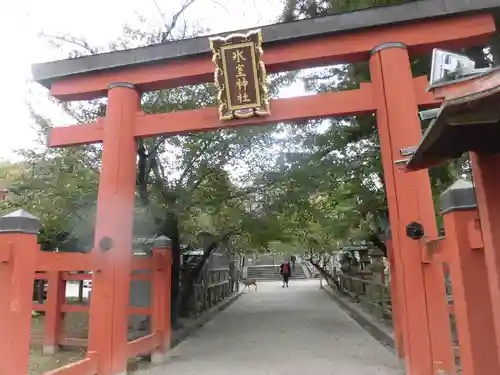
<point x="377" y="261"/>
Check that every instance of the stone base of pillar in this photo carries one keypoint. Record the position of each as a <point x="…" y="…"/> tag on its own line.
<point x="50" y="349"/>
<point x="159" y="357"/>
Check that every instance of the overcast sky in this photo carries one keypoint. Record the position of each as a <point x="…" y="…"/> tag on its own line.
<point x="99" y="21"/>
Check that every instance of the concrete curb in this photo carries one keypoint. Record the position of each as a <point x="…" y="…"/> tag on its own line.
<point x="180" y="335"/>
<point x="375" y="328"/>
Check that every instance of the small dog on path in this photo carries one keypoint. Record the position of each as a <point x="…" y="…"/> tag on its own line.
<point x="248" y="283"/>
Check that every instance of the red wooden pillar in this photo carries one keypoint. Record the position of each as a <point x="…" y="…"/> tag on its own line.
<point x="420" y="288"/>
<point x="56" y="294"/>
<point x="113" y="234"/>
<point x="471" y="292"/>
<point x="485" y="169"/>
<point x="161" y="289"/>
<point x="18" y="252"/>
<point x="397" y="318"/>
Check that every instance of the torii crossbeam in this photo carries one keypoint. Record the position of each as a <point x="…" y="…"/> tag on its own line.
<point x="343" y="103"/>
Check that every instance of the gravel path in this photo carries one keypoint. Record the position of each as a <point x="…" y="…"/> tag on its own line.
<point x="277" y="331"/>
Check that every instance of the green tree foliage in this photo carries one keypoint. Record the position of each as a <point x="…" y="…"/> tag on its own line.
<point x="58" y="186"/>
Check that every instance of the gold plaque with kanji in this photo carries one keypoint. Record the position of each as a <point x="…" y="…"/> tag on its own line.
<point x="240" y="75"/>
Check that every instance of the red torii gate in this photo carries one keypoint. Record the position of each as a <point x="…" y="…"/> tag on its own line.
<point x="421" y="315"/>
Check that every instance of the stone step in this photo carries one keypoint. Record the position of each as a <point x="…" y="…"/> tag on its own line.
<point x="256" y="275"/>
<point x="272" y="273"/>
<point x="259" y="274"/>
<point x="268" y="272"/>
<point x="275" y="278"/>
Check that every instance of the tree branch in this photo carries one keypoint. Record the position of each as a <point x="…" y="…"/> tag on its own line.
<point x="79" y="42"/>
<point x="193" y="160"/>
<point x="142" y="173"/>
<point x="169" y="28"/>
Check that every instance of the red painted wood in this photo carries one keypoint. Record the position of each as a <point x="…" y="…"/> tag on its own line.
<point x="487" y="186"/>
<point x="395" y="290"/>
<point x="143" y="345"/>
<point x="56" y="296"/>
<point x="115" y="213"/>
<point x="471" y="296"/>
<point x="421" y="292"/>
<point x="87" y="366"/>
<point x="347" y="47"/>
<point x="354" y="102"/>
<point x="17" y="269"/>
<point x="161" y="308"/>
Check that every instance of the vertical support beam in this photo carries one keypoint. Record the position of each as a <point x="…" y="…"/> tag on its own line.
<point x="471" y="292"/>
<point x="18" y="252"/>
<point x="161" y="290"/>
<point x="487" y="183"/>
<point x="397" y="318"/>
<point x="421" y="290"/>
<point x="113" y="233"/>
<point x="53" y="314"/>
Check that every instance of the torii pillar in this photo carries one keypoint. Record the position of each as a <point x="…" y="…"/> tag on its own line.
<point x="113" y="236"/>
<point x="422" y="307"/>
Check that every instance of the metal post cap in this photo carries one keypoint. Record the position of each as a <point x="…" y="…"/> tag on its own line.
<point x="383" y="46"/>
<point x="121" y="84"/>
<point x="19" y="221"/>
<point x="162" y="242"/>
<point x="459" y="196"/>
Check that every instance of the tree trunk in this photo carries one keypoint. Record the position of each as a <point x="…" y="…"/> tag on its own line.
<point x="376" y="241"/>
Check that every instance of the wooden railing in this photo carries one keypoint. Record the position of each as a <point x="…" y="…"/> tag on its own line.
<point x="214" y="286"/>
<point x="373" y="296"/>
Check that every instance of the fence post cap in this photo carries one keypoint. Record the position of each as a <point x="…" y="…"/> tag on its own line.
<point x="162" y="242"/>
<point x="19" y="221"/>
<point x="458" y="197"/>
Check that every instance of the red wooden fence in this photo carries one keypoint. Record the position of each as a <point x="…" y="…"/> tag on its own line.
<point x="21" y="261"/>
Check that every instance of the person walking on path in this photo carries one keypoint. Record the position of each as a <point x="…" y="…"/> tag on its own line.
<point x="285" y="271"/>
